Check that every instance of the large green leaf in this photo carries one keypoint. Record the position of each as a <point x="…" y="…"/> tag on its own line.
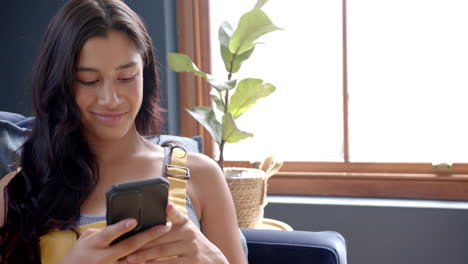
<point x="227" y="58"/>
<point x="182" y="63"/>
<point x="224" y="35"/>
<point x="221" y="85"/>
<point x="231" y="134"/>
<point x="216" y="96"/>
<point x="247" y="93"/>
<point x="207" y="118"/>
<point x="252" y="25"/>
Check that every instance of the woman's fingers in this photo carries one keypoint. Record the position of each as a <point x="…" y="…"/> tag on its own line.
<point x="110" y="233"/>
<point x="135" y="242"/>
<point x="173" y="234"/>
<point x="180" y="228"/>
<point x="179" y="260"/>
<point x="163" y="251"/>
<point x="175" y="216"/>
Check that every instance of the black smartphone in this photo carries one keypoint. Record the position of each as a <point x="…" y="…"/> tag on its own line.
<point x="143" y="200"/>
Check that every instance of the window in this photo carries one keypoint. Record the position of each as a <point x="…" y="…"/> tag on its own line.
<point x="302" y="120"/>
<point x="407" y="80"/>
<point x="403" y="65"/>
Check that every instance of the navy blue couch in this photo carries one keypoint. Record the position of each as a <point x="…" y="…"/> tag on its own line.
<point x="264" y="246"/>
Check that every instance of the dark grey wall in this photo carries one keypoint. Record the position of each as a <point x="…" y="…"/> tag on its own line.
<point x="22" y="24"/>
<point x="385" y="234"/>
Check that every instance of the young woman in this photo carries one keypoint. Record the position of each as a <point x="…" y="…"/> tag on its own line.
<point x="95" y="97"/>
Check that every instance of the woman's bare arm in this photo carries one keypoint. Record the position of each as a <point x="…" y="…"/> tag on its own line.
<point x="218" y="216"/>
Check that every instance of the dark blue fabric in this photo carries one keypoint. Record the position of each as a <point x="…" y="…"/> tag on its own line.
<point x="13" y="131"/>
<point x="298" y="247"/>
<point x="17" y="119"/>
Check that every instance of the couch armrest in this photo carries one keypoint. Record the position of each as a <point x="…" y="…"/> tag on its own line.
<point x="274" y="246"/>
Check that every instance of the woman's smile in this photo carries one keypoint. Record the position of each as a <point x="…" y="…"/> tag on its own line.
<point x="110" y="119"/>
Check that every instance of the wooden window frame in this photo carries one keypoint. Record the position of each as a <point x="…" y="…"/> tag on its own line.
<point x="193" y="34"/>
<point x="390" y="180"/>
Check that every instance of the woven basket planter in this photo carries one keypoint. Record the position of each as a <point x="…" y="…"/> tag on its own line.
<point x="248" y="188"/>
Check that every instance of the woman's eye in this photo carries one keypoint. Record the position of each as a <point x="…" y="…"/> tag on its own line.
<point x="129" y="79"/>
<point x="89" y="83"/>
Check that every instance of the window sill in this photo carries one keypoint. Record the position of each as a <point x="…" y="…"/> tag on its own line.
<point x="384" y="185"/>
<point x="381" y="180"/>
<point x="367" y="202"/>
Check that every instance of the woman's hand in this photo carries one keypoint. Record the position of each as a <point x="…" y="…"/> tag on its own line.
<point x="182" y="239"/>
<point x="93" y="246"/>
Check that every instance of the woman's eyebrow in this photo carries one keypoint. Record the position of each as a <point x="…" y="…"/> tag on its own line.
<point x="127" y="65"/>
<point x="85" y="69"/>
<point x="89" y="69"/>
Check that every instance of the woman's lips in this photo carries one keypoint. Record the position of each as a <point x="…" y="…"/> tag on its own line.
<point x="110" y="119"/>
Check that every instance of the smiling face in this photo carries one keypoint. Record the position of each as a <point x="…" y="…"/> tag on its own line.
<point x="108" y="86"/>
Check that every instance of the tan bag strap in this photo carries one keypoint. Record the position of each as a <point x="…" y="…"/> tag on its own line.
<point x="175" y="162"/>
<point x="176" y="171"/>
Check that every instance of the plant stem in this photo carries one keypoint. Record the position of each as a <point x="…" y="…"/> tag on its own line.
<point x="232" y="65"/>
<point x="221" y="158"/>
<point x="226" y="102"/>
<point x="226" y="97"/>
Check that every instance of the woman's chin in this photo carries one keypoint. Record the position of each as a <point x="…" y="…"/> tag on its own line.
<point x="109" y="133"/>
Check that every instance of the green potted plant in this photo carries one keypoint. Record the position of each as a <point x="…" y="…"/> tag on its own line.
<point x="232" y="98"/>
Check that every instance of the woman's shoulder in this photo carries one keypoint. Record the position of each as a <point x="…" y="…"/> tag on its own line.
<point x="203" y="167"/>
<point x="206" y="175"/>
<point x="208" y="187"/>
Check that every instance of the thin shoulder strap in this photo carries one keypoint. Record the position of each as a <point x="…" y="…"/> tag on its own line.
<point x="177" y="172"/>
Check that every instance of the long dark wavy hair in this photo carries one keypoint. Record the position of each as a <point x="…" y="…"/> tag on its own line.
<point x="59" y="170"/>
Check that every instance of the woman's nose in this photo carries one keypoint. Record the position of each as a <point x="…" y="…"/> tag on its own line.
<point x="108" y="96"/>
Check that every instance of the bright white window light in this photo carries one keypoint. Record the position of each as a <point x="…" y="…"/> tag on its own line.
<point x="302" y="120"/>
<point x="408" y="80"/>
